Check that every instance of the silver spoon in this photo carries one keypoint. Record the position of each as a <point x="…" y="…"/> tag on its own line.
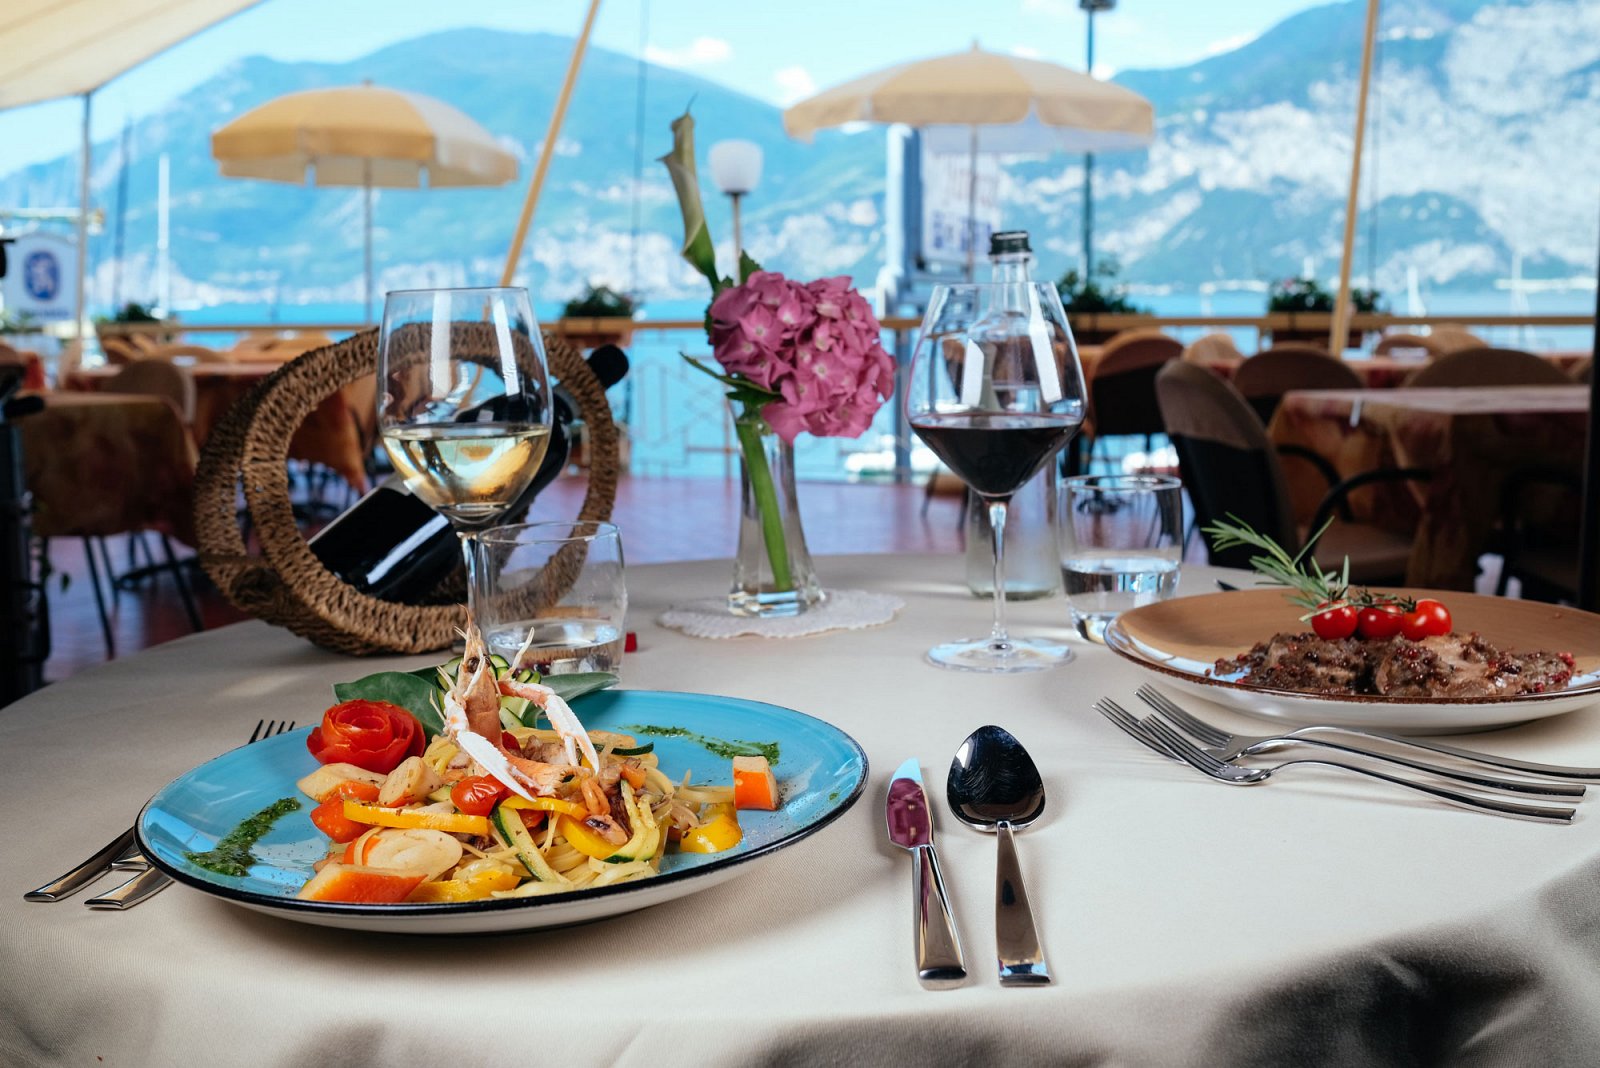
<point x="994" y="786"/>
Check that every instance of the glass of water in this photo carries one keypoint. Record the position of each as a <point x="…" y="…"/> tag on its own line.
<point x="1121" y="540"/>
<point x="550" y="596"/>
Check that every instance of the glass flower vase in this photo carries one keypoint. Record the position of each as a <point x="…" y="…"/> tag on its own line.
<point x="772" y="571"/>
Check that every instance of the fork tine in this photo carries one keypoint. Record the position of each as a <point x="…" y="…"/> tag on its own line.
<point x="1122" y="720"/>
<point x="1131" y="724"/>
<point x="1197" y="728"/>
<point x="1180" y="746"/>
<point x="256" y="734"/>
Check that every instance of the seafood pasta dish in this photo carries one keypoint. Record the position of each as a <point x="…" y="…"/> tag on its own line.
<point x="494" y="804"/>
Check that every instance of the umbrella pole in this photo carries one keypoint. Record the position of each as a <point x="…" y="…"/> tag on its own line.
<point x="1338" y="334"/>
<point x="85" y="150"/>
<point x="366" y="227"/>
<point x="972" y="202"/>
<point x="1589" y="522"/>
<point x="536" y="185"/>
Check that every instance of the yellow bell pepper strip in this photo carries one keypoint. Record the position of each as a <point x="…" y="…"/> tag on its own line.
<point x="720" y="832"/>
<point x="449" y="822"/>
<point x="473" y="888"/>
<point x="581" y="838"/>
<point x="574" y="809"/>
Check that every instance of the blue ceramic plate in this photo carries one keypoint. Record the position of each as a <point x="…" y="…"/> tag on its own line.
<point x="820" y="770"/>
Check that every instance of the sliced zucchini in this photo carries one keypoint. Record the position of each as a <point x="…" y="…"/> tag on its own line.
<point x="500" y="664"/>
<point x="451" y="668"/>
<point x="509" y="719"/>
<point x="642" y="846"/>
<point x="517" y="707"/>
<point x="638" y="750"/>
<point x="526" y="675"/>
<point x="509" y="830"/>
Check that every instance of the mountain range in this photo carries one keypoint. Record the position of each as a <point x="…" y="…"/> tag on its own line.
<point x="1481" y="155"/>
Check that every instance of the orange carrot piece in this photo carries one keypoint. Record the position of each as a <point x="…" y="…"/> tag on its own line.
<point x="364" y="886"/>
<point x="753" y="783"/>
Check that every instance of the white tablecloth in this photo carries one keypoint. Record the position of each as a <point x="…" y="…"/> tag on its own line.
<point x="1313" y="919"/>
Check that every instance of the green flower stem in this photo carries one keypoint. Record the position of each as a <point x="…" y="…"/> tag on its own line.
<point x="749" y="427"/>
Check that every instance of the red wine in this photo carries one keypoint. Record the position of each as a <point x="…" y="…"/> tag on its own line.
<point x="995" y="452"/>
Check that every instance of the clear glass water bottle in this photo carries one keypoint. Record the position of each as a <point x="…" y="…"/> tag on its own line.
<point x="1033" y="564"/>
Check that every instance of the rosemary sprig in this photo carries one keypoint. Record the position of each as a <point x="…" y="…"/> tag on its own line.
<point x="1309" y="585"/>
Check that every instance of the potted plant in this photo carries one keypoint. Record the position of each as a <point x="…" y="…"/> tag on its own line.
<point x="1295" y="295"/>
<point x="131" y="312"/>
<point x="1087" y="298"/>
<point x="599" y="302"/>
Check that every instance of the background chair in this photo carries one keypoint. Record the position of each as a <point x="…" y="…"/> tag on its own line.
<point x="1264" y="379"/>
<point x="157" y="378"/>
<point x="1584" y="371"/>
<point x="1488" y="367"/>
<point x="1230" y="467"/>
<point x="1213" y="348"/>
<point x="1122" y="395"/>
<point x="1448" y="338"/>
<point x="1390" y="343"/>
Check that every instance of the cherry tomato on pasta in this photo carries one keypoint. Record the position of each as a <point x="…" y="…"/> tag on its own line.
<point x="476" y="795"/>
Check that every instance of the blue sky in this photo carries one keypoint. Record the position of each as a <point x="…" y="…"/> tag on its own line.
<point x="778" y="51"/>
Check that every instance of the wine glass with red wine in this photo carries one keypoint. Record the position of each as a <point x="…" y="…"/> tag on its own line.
<point x="996" y="390"/>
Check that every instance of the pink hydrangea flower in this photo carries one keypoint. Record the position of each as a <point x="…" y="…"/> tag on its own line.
<point x="815" y="344"/>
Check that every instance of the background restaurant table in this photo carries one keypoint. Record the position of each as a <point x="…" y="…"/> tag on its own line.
<point x="338" y="433"/>
<point x="1311" y="919"/>
<point x="1472" y="439"/>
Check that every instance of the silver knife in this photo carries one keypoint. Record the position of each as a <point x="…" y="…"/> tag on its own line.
<point x="910" y="818"/>
<point x="84" y="873"/>
<point x="144" y="885"/>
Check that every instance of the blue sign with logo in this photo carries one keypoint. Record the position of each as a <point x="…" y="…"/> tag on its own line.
<point x="41" y="275"/>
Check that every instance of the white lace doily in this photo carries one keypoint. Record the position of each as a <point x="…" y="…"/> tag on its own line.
<point x="843" y="610"/>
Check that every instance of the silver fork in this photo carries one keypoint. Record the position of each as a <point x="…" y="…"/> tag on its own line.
<point x="1154" y="733"/>
<point x="1224" y="746"/>
<point x="152" y="881"/>
<point x="1212" y="737"/>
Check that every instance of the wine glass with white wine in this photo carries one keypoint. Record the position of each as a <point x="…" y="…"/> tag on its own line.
<point x="464" y="403"/>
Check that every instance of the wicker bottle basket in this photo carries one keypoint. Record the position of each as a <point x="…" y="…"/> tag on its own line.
<point x="287" y="585"/>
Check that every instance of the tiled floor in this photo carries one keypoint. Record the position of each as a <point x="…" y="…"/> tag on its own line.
<point x="661" y="520"/>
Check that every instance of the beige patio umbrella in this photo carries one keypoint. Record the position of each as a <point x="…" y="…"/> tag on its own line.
<point x="985" y="102"/>
<point x="362" y="135"/>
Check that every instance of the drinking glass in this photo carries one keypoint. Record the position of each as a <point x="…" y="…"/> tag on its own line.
<point x="1121" y="539"/>
<point x="996" y="390"/>
<point x="551" y="596"/>
<point x="464" y="406"/>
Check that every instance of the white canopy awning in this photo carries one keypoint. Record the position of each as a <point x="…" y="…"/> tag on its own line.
<point x="55" y="48"/>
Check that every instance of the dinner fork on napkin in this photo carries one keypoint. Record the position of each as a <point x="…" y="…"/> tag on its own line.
<point x="122" y="854"/>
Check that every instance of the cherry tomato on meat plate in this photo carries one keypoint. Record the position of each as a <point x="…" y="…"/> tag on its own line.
<point x="1428" y="620"/>
<point x="1333" y="623"/>
<point x="1379" y="621"/>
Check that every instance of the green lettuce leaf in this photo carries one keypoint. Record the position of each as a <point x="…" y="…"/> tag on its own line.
<point x="418" y="696"/>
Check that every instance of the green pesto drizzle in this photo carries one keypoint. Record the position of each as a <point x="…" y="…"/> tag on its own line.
<point x="231" y="855"/>
<point x="722" y="747"/>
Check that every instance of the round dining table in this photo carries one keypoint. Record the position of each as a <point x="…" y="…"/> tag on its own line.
<point x="1318" y="918"/>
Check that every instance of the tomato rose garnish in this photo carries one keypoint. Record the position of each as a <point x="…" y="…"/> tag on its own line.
<point x="374" y="735"/>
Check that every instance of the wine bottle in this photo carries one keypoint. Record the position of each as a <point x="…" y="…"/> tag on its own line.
<point x="1033" y="567"/>
<point x="392" y="546"/>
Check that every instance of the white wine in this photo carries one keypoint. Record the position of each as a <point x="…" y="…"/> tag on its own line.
<point x="470" y="472"/>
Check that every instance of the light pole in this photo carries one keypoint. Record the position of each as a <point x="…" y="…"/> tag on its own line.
<point x="1090" y="7"/>
<point x="736" y="168"/>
